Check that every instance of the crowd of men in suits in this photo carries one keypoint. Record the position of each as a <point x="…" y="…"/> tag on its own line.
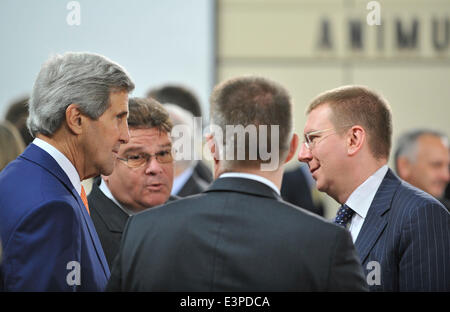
<point x="153" y="223"/>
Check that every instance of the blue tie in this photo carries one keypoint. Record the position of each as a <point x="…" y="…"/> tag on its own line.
<point x="344" y="214"/>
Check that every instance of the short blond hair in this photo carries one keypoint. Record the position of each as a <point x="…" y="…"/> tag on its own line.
<point x="358" y="105"/>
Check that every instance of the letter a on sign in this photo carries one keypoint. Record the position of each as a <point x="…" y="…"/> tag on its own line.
<point x="74" y="16"/>
<point x="374" y="17"/>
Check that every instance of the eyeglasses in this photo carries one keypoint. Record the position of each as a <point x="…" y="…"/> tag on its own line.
<point x="137" y="161"/>
<point x="311" y="138"/>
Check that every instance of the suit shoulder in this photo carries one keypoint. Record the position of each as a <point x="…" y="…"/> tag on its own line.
<point x="412" y="200"/>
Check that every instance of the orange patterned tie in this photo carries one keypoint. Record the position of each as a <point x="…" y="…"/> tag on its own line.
<point x="84" y="198"/>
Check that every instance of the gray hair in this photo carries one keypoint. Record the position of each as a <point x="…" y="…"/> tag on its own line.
<point x="74" y="77"/>
<point x="407" y="143"/>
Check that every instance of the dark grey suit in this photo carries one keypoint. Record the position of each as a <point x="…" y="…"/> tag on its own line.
<point x="239" y="235"/>
<point x="109" y="220"/>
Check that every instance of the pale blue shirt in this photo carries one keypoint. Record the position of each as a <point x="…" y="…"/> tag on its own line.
<point x="361" y="199"/>
<point x="63" y="162"/>
<point x="181" y="180"/>
<point x="251" y="177"/>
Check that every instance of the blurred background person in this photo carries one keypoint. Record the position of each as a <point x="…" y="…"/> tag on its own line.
<point x="142" y="176"/>
<point x="187" y="180"/>
<point x="178" y="95"/>
<point x="17" y="114"/>
<point x="422" y="159"/>
<point x="186" y="99"/>
<point x="11" y="143"/>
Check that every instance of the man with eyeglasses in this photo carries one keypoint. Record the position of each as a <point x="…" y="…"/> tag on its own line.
<point x="400" y="232"/>
<point x="142" y="176"/>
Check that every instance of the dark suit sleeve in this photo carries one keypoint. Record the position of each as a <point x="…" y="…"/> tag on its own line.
<point x="115" y="281"/>
<point x="42" y="250"/>
<point x="425" y="250"/>
<point x="346" y="272"/>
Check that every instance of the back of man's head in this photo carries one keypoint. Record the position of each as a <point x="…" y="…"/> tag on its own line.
<point x="359" y="105"/>
<point x="178" y="95"/>
<point x="254" y="115"/>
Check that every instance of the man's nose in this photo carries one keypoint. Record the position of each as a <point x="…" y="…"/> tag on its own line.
<point x="304" y="155"/>
<point x="124" y="134"/>
<point x="446" y="174"/>
<point x="153" y="166"/>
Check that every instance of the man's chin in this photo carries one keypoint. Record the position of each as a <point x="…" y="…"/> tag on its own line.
<point x="107" y="170"/>
<point x="156" y="202"/>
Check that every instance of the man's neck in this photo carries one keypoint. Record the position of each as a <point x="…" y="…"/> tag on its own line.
<point x="360" y="174"/>
<point x="67" y="148"/>
<point x="273" y="176"/>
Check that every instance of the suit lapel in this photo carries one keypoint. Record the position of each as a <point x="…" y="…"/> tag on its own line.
<point x="376" y="219"/>
<point x="40" y="157"/>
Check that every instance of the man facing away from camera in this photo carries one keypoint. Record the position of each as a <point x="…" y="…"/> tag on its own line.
<point x="239" y="235"/>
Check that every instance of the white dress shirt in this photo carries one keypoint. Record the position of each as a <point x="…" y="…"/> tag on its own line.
<point x="361" y="199"/>
<point x="105" y="189"/>
<point x="251" y="177"/>
<point x="63" y="162"/>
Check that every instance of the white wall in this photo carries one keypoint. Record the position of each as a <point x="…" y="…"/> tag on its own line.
<point x="157" y="41"/>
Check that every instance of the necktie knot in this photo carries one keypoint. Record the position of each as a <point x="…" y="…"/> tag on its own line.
<point x="344" y="214"/>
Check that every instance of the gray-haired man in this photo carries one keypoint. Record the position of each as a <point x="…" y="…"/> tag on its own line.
<point x="78" y="116"/>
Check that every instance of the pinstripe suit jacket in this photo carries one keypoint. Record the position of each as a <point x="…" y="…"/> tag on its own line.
<point x="407" y="232"/>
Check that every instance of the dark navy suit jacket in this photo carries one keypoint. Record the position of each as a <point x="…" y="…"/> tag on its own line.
<point x="407" y="232"/>
<point x="49" y="241"/>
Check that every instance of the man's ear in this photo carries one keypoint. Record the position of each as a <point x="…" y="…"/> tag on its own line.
<point x="292" y="147"/>
<point x="215" y="153"/>
<point x="213" y="148"/>
<point x="74" y="118"/>
<point x="403" y="167"/>
<point x="356" y="136"/>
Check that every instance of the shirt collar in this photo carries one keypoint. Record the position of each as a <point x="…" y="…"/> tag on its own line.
<point x="181" y="180"/>
<point x="62" y="161"/>
<point x="105" y="189"/>
<point x="251" y="177"/>
<point x="362" y="197"/>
